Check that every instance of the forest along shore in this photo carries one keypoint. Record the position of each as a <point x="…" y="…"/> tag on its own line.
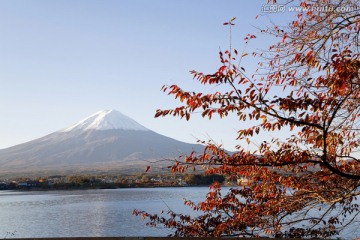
<point x="111" y="182"/>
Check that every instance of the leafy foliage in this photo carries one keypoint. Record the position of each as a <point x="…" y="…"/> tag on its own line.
<point x="308" y="84"/>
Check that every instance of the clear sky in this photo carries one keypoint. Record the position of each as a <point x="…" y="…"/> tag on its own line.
<point x="61" y="61"/>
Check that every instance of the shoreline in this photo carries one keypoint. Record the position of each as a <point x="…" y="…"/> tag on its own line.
<point x="103" y="188"/>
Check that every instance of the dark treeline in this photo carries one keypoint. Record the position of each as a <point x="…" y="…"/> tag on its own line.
<point x="197" y="179"/>
<point x="109" y="181"/>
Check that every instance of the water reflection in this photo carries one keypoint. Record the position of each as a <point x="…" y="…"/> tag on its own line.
<point x="93" y="213"/>
<point x="88" y="212"/>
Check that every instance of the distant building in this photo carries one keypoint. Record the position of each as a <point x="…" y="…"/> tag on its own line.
<point x="27" y="184"/>
<point x="3" y="186"/>
<point x="243" y="181"/>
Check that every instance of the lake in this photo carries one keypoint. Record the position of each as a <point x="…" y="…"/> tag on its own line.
<point x="94" y="213"/>
<point x="83" y="213"/>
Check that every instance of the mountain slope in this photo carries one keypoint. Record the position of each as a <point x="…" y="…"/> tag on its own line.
<point x="105" y="120"/>
<point x="107" y="139"/>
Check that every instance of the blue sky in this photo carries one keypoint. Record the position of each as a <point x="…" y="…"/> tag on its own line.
<point x="61" y="61"/>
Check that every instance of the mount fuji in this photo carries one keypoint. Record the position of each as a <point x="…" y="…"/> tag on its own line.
<point x="105" y="141"/>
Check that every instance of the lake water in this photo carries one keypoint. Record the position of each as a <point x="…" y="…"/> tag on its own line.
<point x="92" y="213"/>
<point x="83" y="213"/>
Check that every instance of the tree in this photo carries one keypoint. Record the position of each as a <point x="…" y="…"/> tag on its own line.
<point x="308" y="84"/>
<point x="197" y="179"/>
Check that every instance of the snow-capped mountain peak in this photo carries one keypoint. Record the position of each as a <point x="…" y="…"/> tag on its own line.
<point x="106" y="120"/>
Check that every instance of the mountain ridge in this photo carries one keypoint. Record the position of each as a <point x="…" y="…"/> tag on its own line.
<point x="106" y="139"/>
<point x="105" y="120"/>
